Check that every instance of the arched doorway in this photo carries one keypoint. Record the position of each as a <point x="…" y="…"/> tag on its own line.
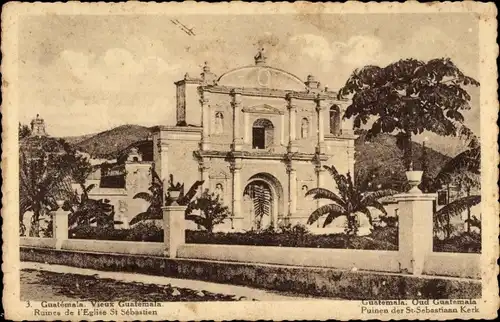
<point x="262" y="201"/>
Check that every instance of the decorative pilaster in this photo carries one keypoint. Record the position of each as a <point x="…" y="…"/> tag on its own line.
<point x="247" y="139"/>
<point x="204" y="168"/>
<point x="236" y="104"/>
<point x="292" y="125"/>
<point x="236" y="192"/>
<point x="320" y="175"/>
<point x="350" y="157"/>
<point x="163" y="167"/>
<point x="321" y="125"/>
<point x="292" y="189"/>
<point x="205" y="123"/>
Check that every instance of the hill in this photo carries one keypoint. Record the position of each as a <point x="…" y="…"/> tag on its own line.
<point x="74" y="140"/>
<point x="108" y="143"/>
<point x="383" y="159"/>
<point x="380" y="157"/>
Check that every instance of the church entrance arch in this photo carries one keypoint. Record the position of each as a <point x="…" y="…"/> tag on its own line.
<point x="262" y="201"/>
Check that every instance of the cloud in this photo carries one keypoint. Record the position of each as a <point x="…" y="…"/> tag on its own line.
<point x="314" y="46"/>
<point x="115" y="69"/>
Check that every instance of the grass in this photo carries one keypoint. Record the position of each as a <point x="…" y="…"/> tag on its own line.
<point x="91" y="288"/>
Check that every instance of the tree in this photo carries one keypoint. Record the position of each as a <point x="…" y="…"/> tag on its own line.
<point x="24" y="131"/>
<point x="408" y="97"/>
<point x="212" y="212"/>
<point x="41" y="183"/>
<point x="441" y="217"/>
<point x="155" y="197"/>
<point x="349" y="202"/>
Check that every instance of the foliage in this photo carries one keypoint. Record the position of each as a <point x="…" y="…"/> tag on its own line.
<point x="155" y="197"/>
<point x="454" y="208"/>
<point x="261" y="203"/>
<point x="144" y="231"/>
<point x="350" y="201"/>
<point x="24" y="131"/>
<point x="42" y="181"/>
<point x="211" y="211"/>
<point x="297" y="236"/>
<point x="409" y="97"/>
<point x="463" y="243"/>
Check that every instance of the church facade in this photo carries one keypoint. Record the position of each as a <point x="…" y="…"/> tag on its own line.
<point x="256" y="134"/>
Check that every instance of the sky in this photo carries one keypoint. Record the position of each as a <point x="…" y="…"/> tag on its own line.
<point x="91" y="73"/>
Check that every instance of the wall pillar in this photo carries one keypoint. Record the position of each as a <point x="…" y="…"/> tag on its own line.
<point x="205" y="123"/>
<point x="174" y="226"/>
<point x="237" y="139"/>
<point x="60" y="225"/>
<point x="292" y="125"/>
<point x="350" y="157"/>
<point x="415" y="230"/>
<point x="236" y="189"/>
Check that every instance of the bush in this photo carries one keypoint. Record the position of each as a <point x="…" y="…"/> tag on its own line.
<point x="463" y="243"/>
<point x="145" y="231"/>
<point x="297" y="236"/>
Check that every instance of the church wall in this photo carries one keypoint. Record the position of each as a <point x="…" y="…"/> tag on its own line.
<point x="193" y="105"/>
<point x="221" y="136"/>
<point x="306" y="180"/>
<point x="137" y="179"/>
<point x="307" y="110"/>
<point x="181" y="162"/>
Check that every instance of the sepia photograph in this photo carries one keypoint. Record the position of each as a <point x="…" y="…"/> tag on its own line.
<point x="179" y="154"/>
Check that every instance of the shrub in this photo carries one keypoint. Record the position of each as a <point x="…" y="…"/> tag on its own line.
<point x="463" y="243"/>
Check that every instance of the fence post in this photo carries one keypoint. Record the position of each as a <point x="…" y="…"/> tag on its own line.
<point x="174" y="226"/>
<point x="415" y="230"/>
<point x="60" y="225"/>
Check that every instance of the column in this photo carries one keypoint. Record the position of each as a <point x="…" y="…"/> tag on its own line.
<point x="236" y="188"/>
<point x="282" y="132"/>
<point x="163" y="167"/>
<point x="321" y="125"/>
<point x="174" y="226"/>
<point x="204" y="167"/>
<point x="292" y="190"/>
<point x="415" y="230"/>
<point x="236" y="104"/>
<point x="292" y="125"/>
<point x="205" y="123"/>
<point x="60" y="225"/>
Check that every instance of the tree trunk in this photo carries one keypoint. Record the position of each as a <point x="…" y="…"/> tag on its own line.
<point x="468" y="213"/>
<point x="408" y="153"/>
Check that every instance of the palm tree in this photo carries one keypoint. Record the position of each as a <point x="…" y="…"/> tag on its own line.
<point x="155" y="197"/>
<point x="409" y="97"/>
<point x="212" y="212"/>
<point x="454" y="208"/>
<point x="464" y="170"/>
<point x="42" y="181"/>
<point x="349" y="202"/>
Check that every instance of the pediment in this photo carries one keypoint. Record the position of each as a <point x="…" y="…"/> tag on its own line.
<point x="263" y="109"/>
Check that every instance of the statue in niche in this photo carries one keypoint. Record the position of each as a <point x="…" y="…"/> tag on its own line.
<point x="219" y="191"/>
<point x="219" y="123"/>
<point x="304" y="128"/>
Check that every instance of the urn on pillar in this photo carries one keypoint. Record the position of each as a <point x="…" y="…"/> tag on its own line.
<point x="414" y="178"/>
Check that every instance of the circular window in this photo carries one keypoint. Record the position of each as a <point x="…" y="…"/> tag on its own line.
<point x="264" y="77"/>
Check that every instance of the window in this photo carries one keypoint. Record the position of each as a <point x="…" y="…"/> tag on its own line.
<point x="262" y="134"/>
<point x="304" y="128"/>
<point x="219" y="123"/>
<point x="335" y="120"/>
